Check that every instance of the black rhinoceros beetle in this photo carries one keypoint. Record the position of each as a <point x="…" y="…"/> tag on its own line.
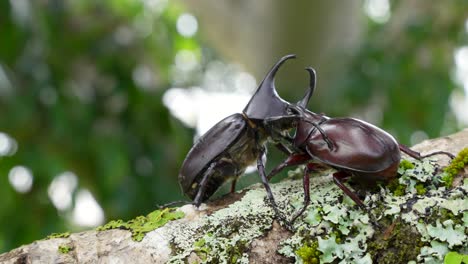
<point x="352" y="146"/>
<point x="237" y="141"/>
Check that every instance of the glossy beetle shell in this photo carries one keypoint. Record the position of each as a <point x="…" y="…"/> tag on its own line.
<point x="358" y="146"/>
<point x="209" y="147"/>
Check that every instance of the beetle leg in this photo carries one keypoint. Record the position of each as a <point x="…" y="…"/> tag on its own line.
<point x="173" y="203"/>
<point x="305" y="184"/>
<point x="233" y="185"/>
<point x="418" y="156"/>
<point x="261" y="172"/>
<point x="338" y="178"/>
<point x="292" y="160"/>
<point x="203" y="183"/>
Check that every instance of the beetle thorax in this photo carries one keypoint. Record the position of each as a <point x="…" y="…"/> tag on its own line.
<point x="306" y="127"/>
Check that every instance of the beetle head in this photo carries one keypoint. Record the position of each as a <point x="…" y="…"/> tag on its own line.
<point x="310" y="91"/>
<point x="266" y="103"/>
<point x="294" y="112"/>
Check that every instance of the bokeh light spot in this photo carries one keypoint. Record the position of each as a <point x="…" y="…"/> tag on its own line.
<point x="245" y="82"/>
<point x="143" y="76"/>
<point x="21" y="178"/>
<point x="143" y="24"/>
<point x="124" y="35"/>
<point x="459" y="100"/>
<point x="377" y="10"/>
<point x="186" y="60"/>
<point x="157" y="6"/>
<point x="61" y="189"/>
<point x="461" y="58"/>
<point x="87" y="211"/>
<point x="187" y="25"/>
<point x="21" y="10"/>
<point x="8" y="145"/>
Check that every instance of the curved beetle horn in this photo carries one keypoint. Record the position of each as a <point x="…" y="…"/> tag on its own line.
<point x="310" y="91"/>
<point x="266" y="102"/>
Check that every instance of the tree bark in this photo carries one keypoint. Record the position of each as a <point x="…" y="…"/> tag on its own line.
<point x="423" y="224"/>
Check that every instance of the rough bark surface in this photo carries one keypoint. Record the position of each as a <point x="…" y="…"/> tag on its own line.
<point x="241" y="227"/>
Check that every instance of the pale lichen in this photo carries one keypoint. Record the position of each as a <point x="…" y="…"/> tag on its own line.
<point x="334" y="222"/>
<point x="225" y="235"/>
<point x="423" y="224"/>
<point x="415" y="209"/>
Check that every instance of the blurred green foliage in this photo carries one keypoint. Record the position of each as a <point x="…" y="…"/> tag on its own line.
<point x="84" y="86"/>
<point x="87" y="80"/>
<point x="402" y="74"/>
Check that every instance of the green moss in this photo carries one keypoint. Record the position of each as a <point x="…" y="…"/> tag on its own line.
<point x="144" y="224"/>
<point x="199" y="243"/>
<point x="442" y="215"/>
<point x="406" y="164"/>
<point x="447" y="179"/>
<point x="420" y="189"/>
<point x="339" y="237"/>
<point x="58" y="235"/>
<point x="230" y="252"/>
<point x="201" y="249"/>
<point x="398" y="244"/>
<point x="455" y="258"/>
<point x="445" y="214"/>
<point x="64" y="249"/>
<point x="309" y="253"/>
<point x="397" y="188"/>
<point x="409" y="175"/>
<point x="457" y="164"/>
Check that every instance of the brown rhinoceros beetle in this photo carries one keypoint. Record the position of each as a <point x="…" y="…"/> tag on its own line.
<point x="352" y="146"/>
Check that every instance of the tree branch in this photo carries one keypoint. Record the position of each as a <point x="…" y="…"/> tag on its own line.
<point x="421" y="220"/>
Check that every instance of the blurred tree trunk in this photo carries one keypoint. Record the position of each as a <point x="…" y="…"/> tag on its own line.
<point x="256" y="33"/>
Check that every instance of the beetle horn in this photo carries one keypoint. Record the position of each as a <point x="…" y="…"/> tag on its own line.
<point x="313" y="79"/>
<point x="266" y="102"/>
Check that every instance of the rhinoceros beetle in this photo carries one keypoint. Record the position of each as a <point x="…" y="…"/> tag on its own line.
<point x="237" y="141"/>
<point x="352" y="146"/>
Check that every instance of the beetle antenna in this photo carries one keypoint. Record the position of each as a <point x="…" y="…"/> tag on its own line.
<point x="324" y="136"/>
<point x="313" y="79"/>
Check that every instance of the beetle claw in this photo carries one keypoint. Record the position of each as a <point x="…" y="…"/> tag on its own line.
<point x="284" y="222"/>
<point x="290" y="226"/>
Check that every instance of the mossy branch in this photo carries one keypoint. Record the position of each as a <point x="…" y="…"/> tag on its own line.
<point x="423" y="219"/>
